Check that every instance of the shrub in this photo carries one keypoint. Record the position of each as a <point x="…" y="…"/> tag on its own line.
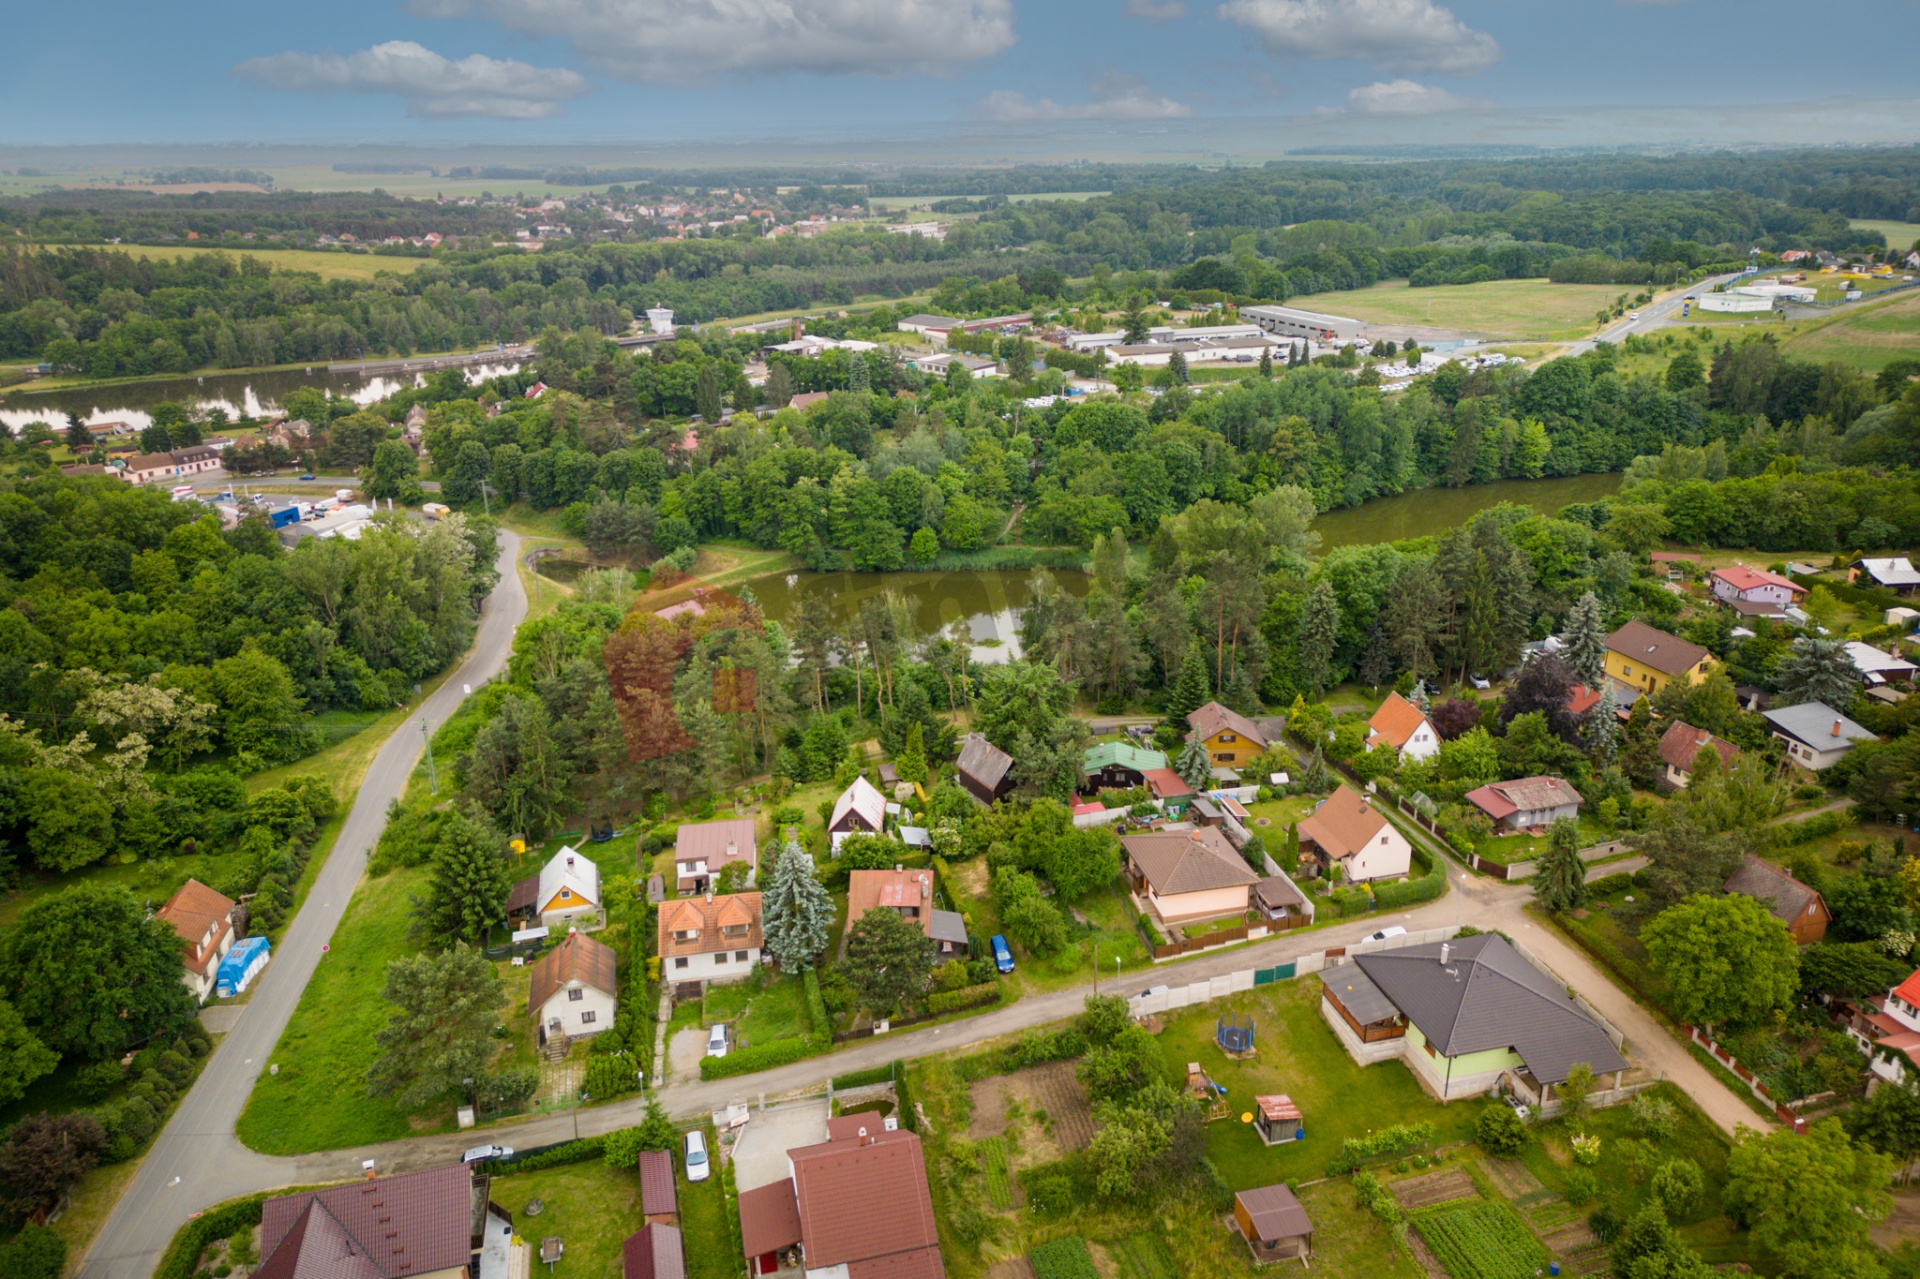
<point x="1050" y="1190"/>
<point x="1653" y="1117"/>
<point x="1148" y="931"/>
<point x="744" y="1061"/>
<point x="1375" y="1198"/>
<point x="567" y="1152"/>
<point x="1501" y="1132"/>
<point x="623" y="1147"/>
<point x="946" y="1001"/>
<point x="863" y="1078"/>
<point x="94" y="1082"/>
<point x="821" y="1022"/>
<point x="1605" y="1222"/>
<point x="35" y="1253"/>
<point x="1582" y="1186"/>
<point x="1586" y="1149"/>
<point x="610" y="1075"/>
<point x="183" y="1255"/>
<point x="1063" y="1259"/>
<point x="1679" y="1186"/>
<point x="1393" y="1140"/>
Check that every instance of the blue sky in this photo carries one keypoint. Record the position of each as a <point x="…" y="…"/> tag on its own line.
<point x="1245" y="74"/>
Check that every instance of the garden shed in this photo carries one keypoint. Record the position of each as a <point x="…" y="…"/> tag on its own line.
<point x="1273" y="1223"/>
<point x="1277" y="1119"/>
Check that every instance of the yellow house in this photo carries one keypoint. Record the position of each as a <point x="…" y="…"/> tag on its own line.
<point x="1649" y="660"/>
<point x="1231" y="738"/>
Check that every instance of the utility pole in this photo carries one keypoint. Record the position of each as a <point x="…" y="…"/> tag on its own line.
<point x="433" y="777"/>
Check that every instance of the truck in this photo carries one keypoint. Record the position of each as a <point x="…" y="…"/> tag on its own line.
<point x="284" y="516"/>
<point x="325" y="504"/>
<point x="435" y="511"/>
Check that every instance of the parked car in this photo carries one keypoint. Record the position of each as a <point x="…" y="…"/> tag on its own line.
<point x="1002" y="954"/>
<point x="479" y="1153"/>
<point x="306" y="477"/>
<point x="697" y="1167"/>
<point x="717" y="1040"/>
<point x="1384" y="933"/>
<point x="1633" y="315"/>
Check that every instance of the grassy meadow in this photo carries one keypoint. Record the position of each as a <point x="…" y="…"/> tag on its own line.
<point x="1513" y="310"/>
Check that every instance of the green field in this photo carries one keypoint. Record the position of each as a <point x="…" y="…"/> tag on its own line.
<point x="1870" y="337"/>
<point x="329" y="266"/>
<point x="1529" y="310"/>
<point x="888" y="203"/>
<point x="1900" y="235"/>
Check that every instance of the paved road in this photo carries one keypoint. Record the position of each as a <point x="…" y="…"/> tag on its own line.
<point x="1657" y="314"/>
<point x="197" y="1161"/>
<point x="322" y="485"/>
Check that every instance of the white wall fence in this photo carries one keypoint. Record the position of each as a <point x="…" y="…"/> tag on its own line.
<point x="1160" y="999"/>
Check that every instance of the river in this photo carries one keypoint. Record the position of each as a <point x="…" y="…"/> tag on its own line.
<point x="1425" y="512"/>
<point x="240" y="394"/>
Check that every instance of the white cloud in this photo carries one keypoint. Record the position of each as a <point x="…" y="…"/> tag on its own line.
<point x="1397" y="35"/>
<point x="1157" y="10"/>
<point x="1116" y="96"/>
<point x="1407" y="97"/>
<point x="434" y="87"/>
<point x="691" y="41"/>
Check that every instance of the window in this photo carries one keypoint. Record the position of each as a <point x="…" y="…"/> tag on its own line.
<point x="1383" y="839"/>
<point x="1228" y="737"/>
<point x="565" y="893"/>
<point x="586" y="1018"/>
<point x="741" y="955"/>
<point x="575" y="995"/>
<point x="680" y="963"/>
<point x="720" y="957"/>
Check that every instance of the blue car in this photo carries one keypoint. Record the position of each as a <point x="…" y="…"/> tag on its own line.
<point x="1002" y="957"/>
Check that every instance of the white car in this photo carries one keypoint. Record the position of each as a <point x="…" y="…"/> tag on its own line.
<point x="1633" y="315"/>
<point x="479" y="1153"/>
<point x="697" y="1167"/>
<point x="717" y="1040"/>
<point x="1385" y="933"/>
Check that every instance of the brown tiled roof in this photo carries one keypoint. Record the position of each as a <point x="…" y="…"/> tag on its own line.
<point x="707" y="842"/>
<point x="769" y="1218"/>
<point x="657" y="1197"/>
<point x="1682" y="742"/>
<point x="412" y="1223"/>
<point x="870" y="889"/>
<point x="1187" y="861"/>
<point x="1165" y="783"/>
<point x="525" y="895"/>
<point x="1277" y="892"/>
<point x="1343" y="825"/>
<point x="1396" y="720"/>
<point x="317" y="1246"/>
<point x="920" y="1263"/>
<point x="1786" y="898"/>
<point x="579" y="958"/>
<point x="191" y="911"/>
<point x="1213" y="717"/>
<point x="707" y="917"/>
<point x="654" y="1252"/>
<point x="1275" y="1213"/>
<point x="864" y="1201"/>
<point x="1668" y="654"/>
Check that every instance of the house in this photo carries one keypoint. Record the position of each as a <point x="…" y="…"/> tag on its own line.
<point x="574" y="993"/>
<point x="1188" y="875"/>
<point x="932" y="327"/>
<point x="196" y="460"/>
<point x="1526" y="803"/>
<point x="1649" y="660"/>
<point x="1230" y="737"/>
<point x="703" y="850"/>
<point x="1465" y="1016"/>
<point x="807" y="399"/>
<point x="1169" y="790"/>
<point x="1273" y="1223"/>
<point x="984" y="769"/>
<point x="659" y="1201"/>
<point x="1897" y="574"/>
<point x="1875" y="667"/>
<point x="1348" y="831"/>
<point x="908" y="893"/>
<point x="437" y="1223"/>
<point x="567" y="890"/>
<point x="1800" y="907"/>
<point x="1119" y="765"/>
<point x="204" y="920"/>
<point x="856" y="1206"/>
<point x="1755" y="586"/>
<point x="1890" y="1034"/>
<point x="1403" y="726"/>
<point x="861" y="809"/>
<point x="1816" y="735"/>
<point x="653" y="1252"/>
<point x="710" y="938"/>
<point x="1672" y="561"/>
<point x="1682" y="743"/>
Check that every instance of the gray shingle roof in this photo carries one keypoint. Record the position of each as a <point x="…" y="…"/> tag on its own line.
<point x="1785" y="897"/>
<point x="1487" y="997"/>
<point x="1813" y="722"/>
<point x="981" y="760"/>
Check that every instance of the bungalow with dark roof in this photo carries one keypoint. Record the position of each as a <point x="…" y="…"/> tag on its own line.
<point x="1799" y="906"/>
<point x="984" y="770"/>
<point x="1526" y="803"/>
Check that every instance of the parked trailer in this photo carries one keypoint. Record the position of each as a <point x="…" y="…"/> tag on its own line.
<point x="183" y="492"/>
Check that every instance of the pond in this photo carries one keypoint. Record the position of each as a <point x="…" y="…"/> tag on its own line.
<point x="989" y="601"/>
<point x="1429" y="512"/>
<point x="240" y="394"/>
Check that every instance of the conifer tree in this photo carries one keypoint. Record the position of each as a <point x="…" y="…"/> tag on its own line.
<point x="1560" y="882"/>
<point x="1195" y="766"/>
<point x="1603" y="724"/>
<point x="912" y="762"/>
<point x="1319" y="629"/>
<point x="1266" y="362"/>
<point x="1191" y="690"/>
<point x="1587" y="640"/>
<point x="797" y="911"/>
<point x="468" y="891"/>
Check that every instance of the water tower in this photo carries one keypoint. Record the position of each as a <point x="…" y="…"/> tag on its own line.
<point x="660" y="319"/>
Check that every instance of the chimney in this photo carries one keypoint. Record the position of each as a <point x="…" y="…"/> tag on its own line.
<point x="795" y="330"/>
<point x="709" y="897"/>
<point x="898" y="868"/>
<point x="1836" y="728"/>
<point x="569" y="861"/>
<point x="1445" y="951"/>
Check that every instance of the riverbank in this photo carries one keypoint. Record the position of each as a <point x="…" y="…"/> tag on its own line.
<point x="1430" y="512"/>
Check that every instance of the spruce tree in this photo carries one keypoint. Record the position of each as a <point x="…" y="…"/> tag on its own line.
<point x="468" y="891"/>
<point x="1421" y="698"/>
<point x="1586" y="649"/>
<point x="1560" y="881"/>
<point x="1177" y="368"/>
<point x="1376" y="659"/>
<point x="797" y="911"/>
<point x="1316" y="776"/>
<point x="1266" y="362"/>
<point x="1319" y="629"/>
<point x="1603" y="724"/>
<point x="1195" y="766"/>
<point x="859" y="379"/>
<point x="1191" y="690"/>
<point x="912" y="761"/>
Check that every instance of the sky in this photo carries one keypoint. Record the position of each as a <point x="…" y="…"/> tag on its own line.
<point x="1242" y="74"/>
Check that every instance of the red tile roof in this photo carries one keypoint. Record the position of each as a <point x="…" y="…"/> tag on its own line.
<point x="654" y="1252"/>
<point x="1581" y="699"/>
<point x="1500" y="800"/>
<point x="657" y="1197"/>
<point x="1742" y="578"/>
<point x="579" y="958"/>
<point x="413" y="1223"/>
<point x="1682" y="742"/>
<point x="769" y="1218"/>
<point x="1909" y="989"/>
<point x="898" y="890"/>
<point x="1166" y="783"/>
<point x="1396" y="720"/>
<point x="709" y="918"/>
<point x="317" y="1246"/>
<point x="864" y="1202"/>
<point x="192" y="911"/>
<point x="1343" y="825"/>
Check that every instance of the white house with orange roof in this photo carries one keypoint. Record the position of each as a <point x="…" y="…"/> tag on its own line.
<point x="1891" y="1036"/>
<point x="1755" y="586"/>
<point x="1402" y="725"/>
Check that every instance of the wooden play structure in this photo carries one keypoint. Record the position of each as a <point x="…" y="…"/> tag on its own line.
<point x="1211" y="1096"/>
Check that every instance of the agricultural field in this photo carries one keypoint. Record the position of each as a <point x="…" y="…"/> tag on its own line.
<point x="1868" y="337"/>
<point x="1900" y="235"/>
<point x="1508" y="310"/>
<point x="1481" y="1241"/>
<point x="1063" y="1259"/>
<point x="328" y="266"/>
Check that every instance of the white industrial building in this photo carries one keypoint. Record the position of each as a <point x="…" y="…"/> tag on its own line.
<point x="1292" y="322"/>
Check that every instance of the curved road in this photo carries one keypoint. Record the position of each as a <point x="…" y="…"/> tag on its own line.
<point x="197" y="1161"/>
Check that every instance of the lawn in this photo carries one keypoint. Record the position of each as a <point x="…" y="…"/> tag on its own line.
<point x="1298" y="1056"/>
<point x="1348" y="1241"/>
<point x="758" y="1010"/>
<point x="1508" y="849"/>
<point x="1511" y="310"/>
<point x="709" y="1225"/>
<point x="591" y="1207"/>
<point x="329" y="266"/>
<point x="1900" y="235"/>
<point x="1869" y="337"/>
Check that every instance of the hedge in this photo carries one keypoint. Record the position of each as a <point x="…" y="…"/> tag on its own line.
<point x="182" y="1258"/>
<point x="1609" y="884"/>
<point x="864" y="1078"/>
<point x="1817" y="826"/>
<point x="1424" y="889"/>
<point x="943" y="876"/>
<point x="567" y="1152"/>
<point x="744" y="1061"/>
<point x="822" y="1035"/>
<point x="946" y="1001"/>
<point x="909" y="1116"/>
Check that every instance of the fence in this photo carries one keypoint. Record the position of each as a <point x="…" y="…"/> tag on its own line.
<point x="1162" y="999"/>
<point x="1525" y="869"/>
<point x="1787" y="1114"/>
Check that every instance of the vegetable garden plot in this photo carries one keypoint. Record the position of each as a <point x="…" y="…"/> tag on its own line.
<point x="1146" y="1256"/>
<point x="993" y="1165"/>
<point x="1432" y="1189"/>
<point x="1481" y="1241"/>
<point x="1063" y="1259"/>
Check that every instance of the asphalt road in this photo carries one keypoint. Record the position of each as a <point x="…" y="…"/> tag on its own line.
<point x="1657" y="314"/>
<point x="197" y="1161"/>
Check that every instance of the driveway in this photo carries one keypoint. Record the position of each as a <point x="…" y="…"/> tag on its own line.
<point x="760" y="1149"/>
